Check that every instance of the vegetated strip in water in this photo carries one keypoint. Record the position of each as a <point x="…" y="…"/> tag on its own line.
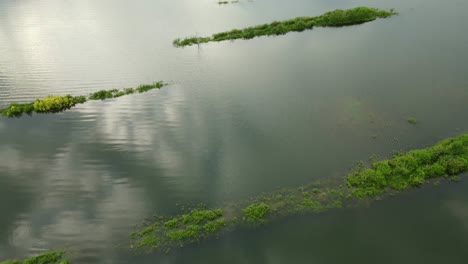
<point x="58" y="103"/>
<point x="336" y="18"/>
<point x="445" y="159"/>
<point x="55" y="257"/>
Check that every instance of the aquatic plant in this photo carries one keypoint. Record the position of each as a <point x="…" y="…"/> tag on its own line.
<point x="336" y="18"/>
<point x="445" y="159"/>
<point x="254" y="213"/>
<point x="168" y="232"/>
<point x="412" y="120"/>
<point x="55" y="104"/>
<point x="55" y="257"/>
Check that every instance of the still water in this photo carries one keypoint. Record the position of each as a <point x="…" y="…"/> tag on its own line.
<point x="238" y="119"/>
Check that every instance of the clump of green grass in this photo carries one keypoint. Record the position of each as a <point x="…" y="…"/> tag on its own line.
<point x="336" y="18"/>
<point x="55" y="257"/>
<point x="412" y="120"/>
<point x="446" y="158"/>
<point x="55" y="104"/>
<point x="189" y="227"/>
<point x="255" y="213"/>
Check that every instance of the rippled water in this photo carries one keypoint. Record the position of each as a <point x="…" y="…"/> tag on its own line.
<point x="239" y="118"/>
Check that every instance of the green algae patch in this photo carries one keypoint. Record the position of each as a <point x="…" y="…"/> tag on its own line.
<point x="56" y="103"/>
<point x="55" y="257"/>
<point x="444" y="160"/>
<point x="164" y="233"/>
<point x="406" y="170"/>
<point x="336" y="18"/>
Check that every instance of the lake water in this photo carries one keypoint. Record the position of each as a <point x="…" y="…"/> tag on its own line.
<point x="238" y="119"/>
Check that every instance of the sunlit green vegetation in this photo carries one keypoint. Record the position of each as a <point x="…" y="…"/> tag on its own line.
<point x="336" y="18"/>
<point x="55" y="104"/>
<point x="46" y="258"/>
<point x="445" y="159"/>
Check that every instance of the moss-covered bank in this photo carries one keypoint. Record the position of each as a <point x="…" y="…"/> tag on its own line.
<point x="336" y="18"/>
<point x="55" y="257"/>
<point x="55" y="104"/>
<point x="403" y="171"/>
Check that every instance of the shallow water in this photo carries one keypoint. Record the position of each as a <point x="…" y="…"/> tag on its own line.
<point x="239" y="118"/>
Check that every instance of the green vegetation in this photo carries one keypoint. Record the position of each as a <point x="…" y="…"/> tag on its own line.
<point x="55" y="104"/>
<point x="447" y="158"/>
<point x="165" y="233"/>
<point x="412" y="120"/>
<point x="46" y="258"/>
<point x="444" y="160"/>
<point x="336" y="18"/>
<point x="254" y="213"/>
<point x="227" y="2"/>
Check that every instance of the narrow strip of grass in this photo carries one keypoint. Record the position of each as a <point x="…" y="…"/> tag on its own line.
<point x="55" y="257"/>
<point x="336" y="18"/>
<point x="55" y="104"/>
<point x="407" y="170"/>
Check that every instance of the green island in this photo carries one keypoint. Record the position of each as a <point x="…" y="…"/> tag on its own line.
<point x="58" y="103"/>
<point x="54" y="257"/>
<point x="336" y="18"/>
<point x="444" y="160"/>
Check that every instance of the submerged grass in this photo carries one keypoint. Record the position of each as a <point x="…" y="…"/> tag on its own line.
<point x="55" y="104"/>
<point x="55" y="257"/>
<point x="336" y="18"/>
<point x="407" y="170"/>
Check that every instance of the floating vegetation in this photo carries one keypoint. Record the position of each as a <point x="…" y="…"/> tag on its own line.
<point x="254" y="213"/>
<point x="407" y="170"/>
<point x="55" y="104"/>
<point x="447" y="158"/>
<point x="336" y="18"/>
<point x="165" y="232"/>
<point x="227" y="2"/>
<point x="55" y="257"/>
<point x="412" y="121"/>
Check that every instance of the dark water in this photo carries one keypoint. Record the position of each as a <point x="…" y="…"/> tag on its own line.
<point x="240" y="118"/>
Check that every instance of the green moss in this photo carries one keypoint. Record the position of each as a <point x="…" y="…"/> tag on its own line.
<point x="46" y="258"/>
<point x="55" y="104"/>
<point x="336" y="18"/>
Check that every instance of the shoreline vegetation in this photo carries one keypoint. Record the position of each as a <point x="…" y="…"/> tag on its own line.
<point x="444" y="160"/>
<point x="336" y="18"/>
<point x="53" y="257"/>
<point x="58" y="103"/>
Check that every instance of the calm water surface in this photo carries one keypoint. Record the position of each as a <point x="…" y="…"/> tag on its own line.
<point x="239" y="118"/>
